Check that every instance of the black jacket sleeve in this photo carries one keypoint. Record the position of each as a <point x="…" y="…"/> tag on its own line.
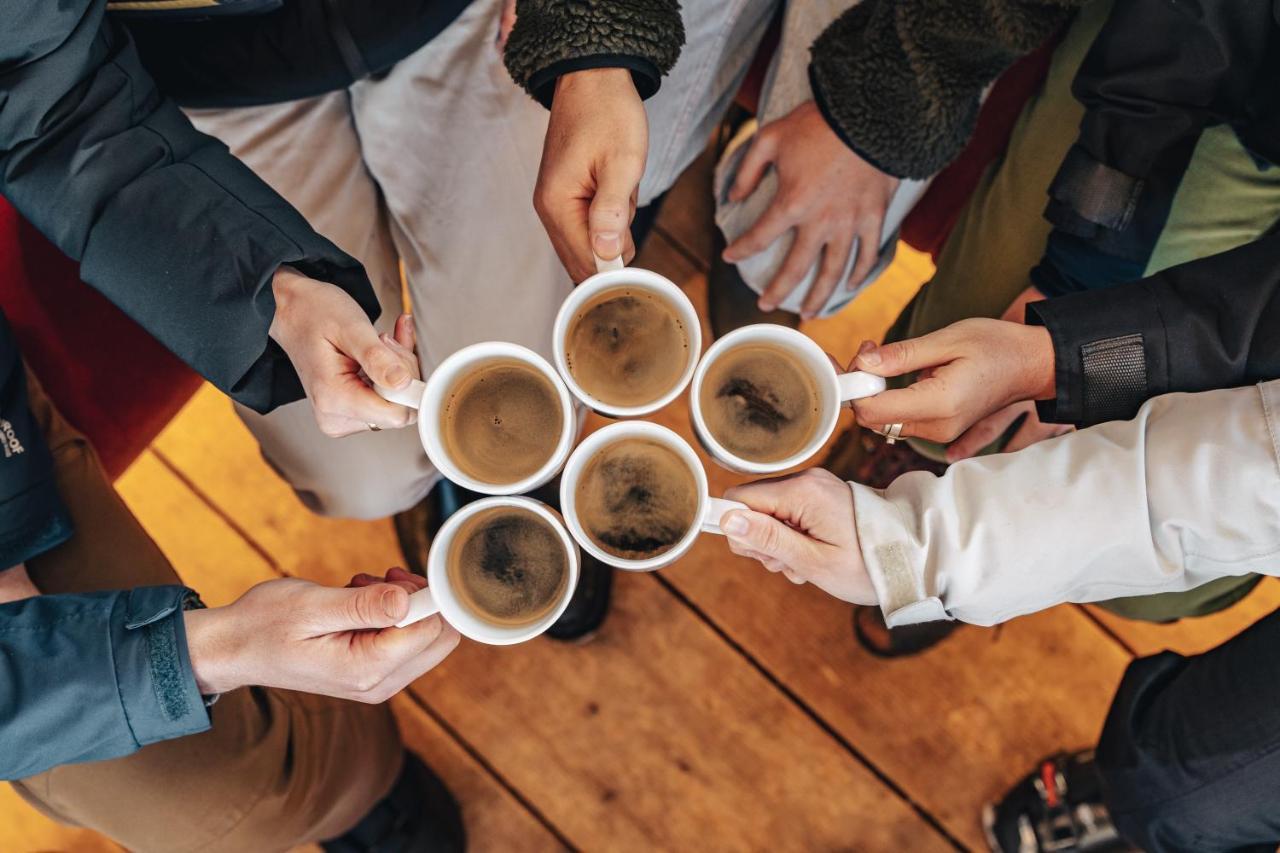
<point x="555" y="37"/>
<point x="1212" y="323"/>
<point x="164" y="221"/>
<point x="300" y="49"/>
<point x="1157" y="75"/>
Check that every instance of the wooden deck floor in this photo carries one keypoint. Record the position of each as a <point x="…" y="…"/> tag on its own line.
<point x="721" y="708"/>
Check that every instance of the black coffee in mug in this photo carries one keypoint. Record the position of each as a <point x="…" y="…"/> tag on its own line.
<point x="508" y="565"/>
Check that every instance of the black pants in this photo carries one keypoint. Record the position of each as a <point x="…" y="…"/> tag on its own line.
<point x="1190" y="754"/>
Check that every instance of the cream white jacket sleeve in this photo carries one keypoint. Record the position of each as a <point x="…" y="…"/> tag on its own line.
<point x="1186" y="492"/>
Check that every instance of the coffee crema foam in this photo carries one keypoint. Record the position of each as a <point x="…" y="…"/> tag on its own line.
<point x="636" y="498"/>
<point x="502" y="422"/>
<point x="627" y="347"/>
<point x="760" y="402"/>
<point x="508" y="566"/>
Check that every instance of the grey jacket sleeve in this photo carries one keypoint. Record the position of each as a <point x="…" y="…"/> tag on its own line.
<point x="89" y="677"/>
<point x="1186" y="492"/>
<point x="164" y="221"/>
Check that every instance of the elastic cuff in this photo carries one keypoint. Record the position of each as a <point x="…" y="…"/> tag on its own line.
<point x="156" y="683"/>
<point x="644" y="73"/>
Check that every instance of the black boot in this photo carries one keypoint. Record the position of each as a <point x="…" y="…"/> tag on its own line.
<point x="419" y="815"/>
<point x="885" y="642"/>
<point x="1057" y="808"/>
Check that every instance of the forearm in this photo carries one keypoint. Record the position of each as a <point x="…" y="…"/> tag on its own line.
<point x="93" y="676"/>
<point x="1199" y="326"/>
<point x="901" y="80"/>
<point x="554" y="37"/>
<point x="1186" y="492"/>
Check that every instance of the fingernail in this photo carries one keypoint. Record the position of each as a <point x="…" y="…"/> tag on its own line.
<point x="389" y="598"/>
<point x="866" y="346"/>
<point x="870" y="358"/>
<point x="735" y="525"/>
<point x="608" y="244"/>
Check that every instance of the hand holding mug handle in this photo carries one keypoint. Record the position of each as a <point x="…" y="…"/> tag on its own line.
<point x="716" y="508"/>
<point x="421" y="605"/>
<point x="410" y="395"/>
<point x="856" y="385"/>
<point x="608" y="266"/>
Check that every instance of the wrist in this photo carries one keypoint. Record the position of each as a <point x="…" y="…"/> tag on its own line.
<point x="1041" y="378"/>
<point x="212" y="648"/>
<point x="286" y="285"/>
<point x="595" y="80"/>
<point x="15" y="584"/>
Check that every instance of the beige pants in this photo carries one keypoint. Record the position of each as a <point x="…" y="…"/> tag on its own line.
<point x="432" y="169"/>
<point x="277" y="769"/>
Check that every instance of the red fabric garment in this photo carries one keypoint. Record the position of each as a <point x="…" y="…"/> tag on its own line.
<point x="105" y="373"/>
<point x="930" y="222"/>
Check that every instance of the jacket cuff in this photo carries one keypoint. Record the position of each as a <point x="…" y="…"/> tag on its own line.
<point x="1109" y="353"/>
<point x="896" y="561"/>
<point x="645" y="75"/>
<point x="156" y="684"/>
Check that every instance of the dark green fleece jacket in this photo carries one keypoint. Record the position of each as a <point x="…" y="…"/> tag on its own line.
<point x="898" y="80"/>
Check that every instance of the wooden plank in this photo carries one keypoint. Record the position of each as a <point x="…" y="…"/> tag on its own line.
<point x="215" y="559"/>
<point x="953" y="727"/>
<point x="654" y="735"/>
<point x="659" y="736"/>
<point x="688" y="216"/>
<point x="1193" y="636"/>
<point x="486" y="694"/>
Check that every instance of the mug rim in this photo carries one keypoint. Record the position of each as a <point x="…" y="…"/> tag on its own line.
<point x="609" y="434"/>
<point x="588" y="289"/>
<point x="447" y="372"/>
<point x="453" y="611"/>
<point x="826" y="427"/>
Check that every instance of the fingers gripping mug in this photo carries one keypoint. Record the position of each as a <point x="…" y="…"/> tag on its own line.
<point x="626" y="341"/>
<point x="635" y="496"/>
<point x="765" y="398"/>
<point x="493" y="417"/>
<point x="501" y="570"/>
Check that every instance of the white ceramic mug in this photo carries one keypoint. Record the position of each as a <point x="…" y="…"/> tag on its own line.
<point x="611" y="274"/>
<point x="710" y="509"/>
<point x="429" y="399"/>
<point x="439" y="596"/>
<point x="835" y="389"/>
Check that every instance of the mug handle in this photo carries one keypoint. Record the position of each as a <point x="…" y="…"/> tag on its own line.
<point x="421" y="605"/>
<point x="608" y="266"/>
<point x="859" y="384"/>
<point x="410" y="395"/>
<point x="716" y="508"/>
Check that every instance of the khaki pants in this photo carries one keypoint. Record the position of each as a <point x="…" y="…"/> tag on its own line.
<point x="1223" y="201"/>
<point x="277" y="768"/>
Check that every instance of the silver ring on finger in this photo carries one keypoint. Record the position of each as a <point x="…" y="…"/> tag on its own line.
<point x="373" y="427"/>
<point x="891" y="432"/>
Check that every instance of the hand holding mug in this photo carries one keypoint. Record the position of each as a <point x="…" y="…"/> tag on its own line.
<point x="802" y="525"/>
<point x="592" y="162"/>
<point x="297" y="635"/>
<point x="835" y="201"/>
<point x="968" y="370"/>
<point x="331" y="343"/>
